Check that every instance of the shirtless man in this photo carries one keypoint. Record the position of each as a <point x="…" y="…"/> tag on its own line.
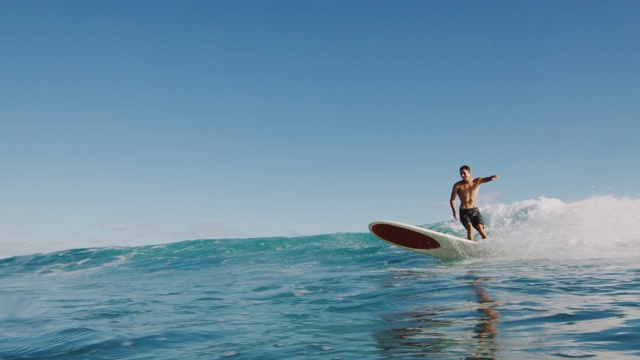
<point x="467" y="190"/>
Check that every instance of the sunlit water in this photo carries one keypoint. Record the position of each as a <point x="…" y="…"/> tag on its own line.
<point x="560" y="280"/>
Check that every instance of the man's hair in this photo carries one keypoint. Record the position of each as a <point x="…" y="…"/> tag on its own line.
<point x="465" y="167"/>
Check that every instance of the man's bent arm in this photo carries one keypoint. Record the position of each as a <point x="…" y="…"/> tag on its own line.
<point x="452" y="202"/>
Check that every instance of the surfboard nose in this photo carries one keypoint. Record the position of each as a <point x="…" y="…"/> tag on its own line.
<point x="404" y="237"/>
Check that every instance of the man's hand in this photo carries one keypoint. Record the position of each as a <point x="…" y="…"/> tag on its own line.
<point x="455" y="214"/>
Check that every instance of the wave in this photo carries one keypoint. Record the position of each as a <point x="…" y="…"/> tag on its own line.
<point x="194" y="254"/>
<point x="543" y="228"/>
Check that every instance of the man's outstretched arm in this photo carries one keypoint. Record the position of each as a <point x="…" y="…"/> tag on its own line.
<point x="490" y="178"/>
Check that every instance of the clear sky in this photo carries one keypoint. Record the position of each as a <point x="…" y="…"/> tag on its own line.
<point x="139" y="122"/>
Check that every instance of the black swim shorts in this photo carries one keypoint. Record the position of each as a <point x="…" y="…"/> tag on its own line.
<point x="471" y="216"/>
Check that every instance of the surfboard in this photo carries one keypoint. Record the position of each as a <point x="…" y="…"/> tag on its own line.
<point x="424" y="241"/>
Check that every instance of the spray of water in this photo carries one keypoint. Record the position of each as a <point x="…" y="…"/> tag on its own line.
<point x="596" y="227"/>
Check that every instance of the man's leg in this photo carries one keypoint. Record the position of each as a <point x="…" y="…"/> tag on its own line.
<point x="469" y="230"/>
<point x="480" y="228"/>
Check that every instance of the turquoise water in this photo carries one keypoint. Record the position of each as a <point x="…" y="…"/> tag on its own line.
<point x="553" y="285"/>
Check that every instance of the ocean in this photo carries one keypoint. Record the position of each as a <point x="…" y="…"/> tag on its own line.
<point x="558" y="280"/>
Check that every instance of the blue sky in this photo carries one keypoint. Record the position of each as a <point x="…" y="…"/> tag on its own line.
<point x="131" y="122"/>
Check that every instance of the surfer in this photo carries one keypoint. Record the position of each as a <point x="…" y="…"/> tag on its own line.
<point x="467" y="190"/>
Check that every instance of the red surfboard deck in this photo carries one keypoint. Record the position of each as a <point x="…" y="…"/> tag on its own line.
<point x="424" y="241"/>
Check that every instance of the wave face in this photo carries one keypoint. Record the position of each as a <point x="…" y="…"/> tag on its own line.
<point x="560" y="280"/>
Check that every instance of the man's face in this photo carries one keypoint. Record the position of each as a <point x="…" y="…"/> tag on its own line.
<point x="465" y="174"/>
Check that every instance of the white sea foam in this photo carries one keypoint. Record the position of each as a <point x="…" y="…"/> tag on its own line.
<point x="597" y="227"/>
